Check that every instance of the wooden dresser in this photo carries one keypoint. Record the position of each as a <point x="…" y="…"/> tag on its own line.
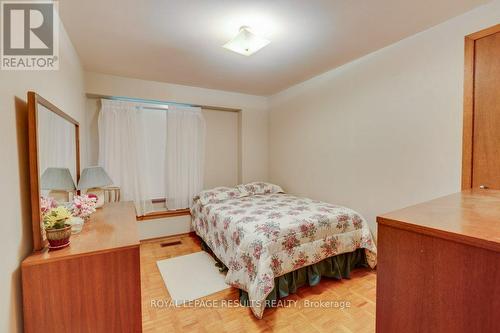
<point x="439" y="265"/>
<point x="91" y="286"/>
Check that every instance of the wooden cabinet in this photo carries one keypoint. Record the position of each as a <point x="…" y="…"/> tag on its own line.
<point x="91" y="286"/>
<point x="439" y="265"/>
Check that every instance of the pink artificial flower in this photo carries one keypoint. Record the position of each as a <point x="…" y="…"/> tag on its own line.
<point x="84" y="205"/>
<point x="46" y="204"/>
<point x="92" y="195"/>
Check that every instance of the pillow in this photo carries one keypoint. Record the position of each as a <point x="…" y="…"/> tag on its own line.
<point x="259" y="188"/>
<point x="218" y="194"/>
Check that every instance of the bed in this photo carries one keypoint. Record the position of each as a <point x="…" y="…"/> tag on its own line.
<point x="261" y="233"/>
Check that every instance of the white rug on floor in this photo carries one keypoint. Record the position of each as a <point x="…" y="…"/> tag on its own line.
<point x="191" y="276"/>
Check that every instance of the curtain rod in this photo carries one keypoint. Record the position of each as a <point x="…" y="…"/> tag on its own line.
<point x="152" y="101"/>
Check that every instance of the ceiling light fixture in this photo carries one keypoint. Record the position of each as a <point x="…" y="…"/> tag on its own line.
<point x="246" y="42"/>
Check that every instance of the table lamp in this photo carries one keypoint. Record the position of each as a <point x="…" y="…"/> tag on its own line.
<point x="93" y="179"/>
<point x="59" y="182"/>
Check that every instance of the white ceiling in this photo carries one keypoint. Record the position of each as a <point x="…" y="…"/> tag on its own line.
<point x="180" y="41"/>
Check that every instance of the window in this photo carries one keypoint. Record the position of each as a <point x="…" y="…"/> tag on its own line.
<point x="153" y="153"/>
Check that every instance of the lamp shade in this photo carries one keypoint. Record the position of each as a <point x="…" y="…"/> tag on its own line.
<point x="57" y="179"/>
<point x="246" y="42"/>
<point x="92" y="177"/>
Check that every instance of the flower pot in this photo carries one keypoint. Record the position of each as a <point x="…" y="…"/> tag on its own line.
<point x="58" y="238"/>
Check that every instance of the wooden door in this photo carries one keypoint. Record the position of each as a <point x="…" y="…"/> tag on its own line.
<point x="482" y="110"/>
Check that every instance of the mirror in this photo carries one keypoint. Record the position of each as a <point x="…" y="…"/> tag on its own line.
<point x="54" y="159"/>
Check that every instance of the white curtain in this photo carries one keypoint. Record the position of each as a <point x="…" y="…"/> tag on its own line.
<point x="56" y="142"/>
<point x="185" y="155"/>
<point x="123" y="151"/>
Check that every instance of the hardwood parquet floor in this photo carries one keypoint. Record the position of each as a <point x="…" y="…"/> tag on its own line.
<point x="359" y="291"/>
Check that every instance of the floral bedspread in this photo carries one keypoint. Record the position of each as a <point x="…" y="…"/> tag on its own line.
<point x="260" y="237"/>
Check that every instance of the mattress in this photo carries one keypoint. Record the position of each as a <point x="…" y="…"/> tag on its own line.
<point x="263" y="236"/>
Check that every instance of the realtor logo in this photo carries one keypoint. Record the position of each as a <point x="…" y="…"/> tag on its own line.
<point x="30" y="38"/>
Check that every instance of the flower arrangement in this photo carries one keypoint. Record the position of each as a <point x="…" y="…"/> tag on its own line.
<point x="46" y="204"/>
<point x="83" y="205"/>
<point x="56" y="222"/>
<point x="56" y="218"/>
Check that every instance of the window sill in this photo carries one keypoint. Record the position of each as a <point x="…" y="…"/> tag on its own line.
<point x="159" y="215"/>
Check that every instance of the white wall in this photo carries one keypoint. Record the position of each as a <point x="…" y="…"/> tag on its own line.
<point x="221" y="148"/>
<point x="168" y="226"/>
<point x="254" y="114"/>
<point x="382" y="132"/>
<point x="65" y="89"/>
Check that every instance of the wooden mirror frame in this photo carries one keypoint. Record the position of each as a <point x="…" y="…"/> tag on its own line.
<point x="36" y="216"/>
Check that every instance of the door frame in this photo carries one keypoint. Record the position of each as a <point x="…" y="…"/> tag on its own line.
<point x="468" y="120"/>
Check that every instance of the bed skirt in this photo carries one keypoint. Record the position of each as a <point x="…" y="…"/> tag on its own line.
<point x="337" y="267"/>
